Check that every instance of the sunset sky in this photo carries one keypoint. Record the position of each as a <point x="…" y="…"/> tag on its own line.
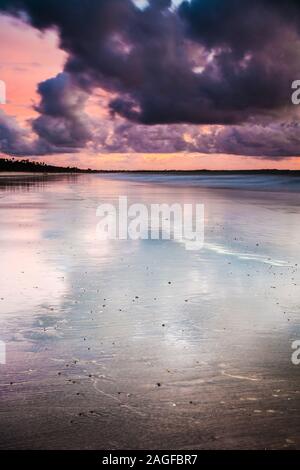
<point x="118" y="84"/>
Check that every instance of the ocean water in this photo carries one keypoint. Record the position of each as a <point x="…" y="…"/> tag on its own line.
<point x="142" y="343"/>
<point x="259" y="182"/>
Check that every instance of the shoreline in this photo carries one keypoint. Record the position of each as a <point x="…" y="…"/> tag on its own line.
<point x="254" y="182"/>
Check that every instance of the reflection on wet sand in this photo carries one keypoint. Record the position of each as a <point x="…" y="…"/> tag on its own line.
<point x="142" y="344"/>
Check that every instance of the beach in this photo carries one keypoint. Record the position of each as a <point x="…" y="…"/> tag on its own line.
<point x="142" y="344"/>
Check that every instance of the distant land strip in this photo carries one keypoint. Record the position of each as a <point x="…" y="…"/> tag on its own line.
<point x="29" y="166"/>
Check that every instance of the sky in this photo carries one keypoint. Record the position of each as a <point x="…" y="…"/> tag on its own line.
<point x="136" y="84"/>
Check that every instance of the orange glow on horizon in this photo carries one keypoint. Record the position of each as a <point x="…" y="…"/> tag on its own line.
<point x="184" y="161"/>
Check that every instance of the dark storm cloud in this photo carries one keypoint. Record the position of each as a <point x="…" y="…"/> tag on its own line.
<point x="62" y="122"/>
<point x="207" y="62"/>
<point x="241" y="25"/>
<point x="277" y="140"/>
<point x="12" y="138"/>
<point x="62" y="126"/>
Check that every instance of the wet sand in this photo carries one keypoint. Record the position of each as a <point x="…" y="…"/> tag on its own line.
<point x="142" y="344"/>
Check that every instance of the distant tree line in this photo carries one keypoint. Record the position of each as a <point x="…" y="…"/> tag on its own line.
<point x="12" y="164"/>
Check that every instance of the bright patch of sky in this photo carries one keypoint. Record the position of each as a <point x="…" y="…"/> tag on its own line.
<point x="144" y="3"/>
